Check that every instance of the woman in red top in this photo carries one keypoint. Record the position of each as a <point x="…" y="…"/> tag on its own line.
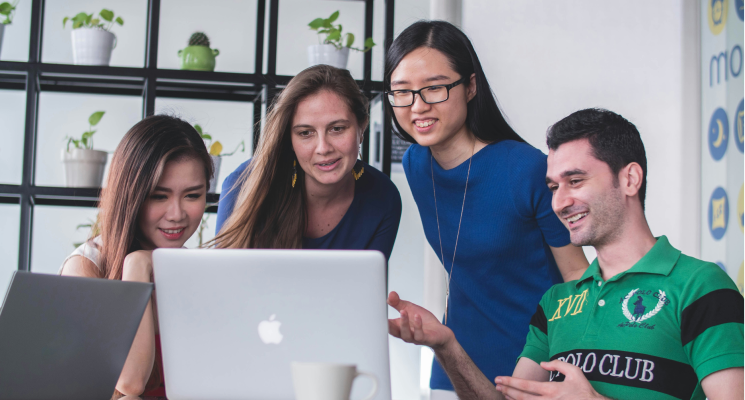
<point x="155" y="196"/>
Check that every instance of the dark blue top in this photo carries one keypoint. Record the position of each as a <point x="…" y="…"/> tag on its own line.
<point x="504" y="263"/>
<point x="371" y="222"/>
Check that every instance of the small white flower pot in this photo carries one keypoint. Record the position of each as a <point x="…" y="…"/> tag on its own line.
<point x="2" y="30"/>
<point x="216" y="161"/>
<point x="84" y="167"/>
<point x="92" y="46"/>
<point x="329" y="55"/>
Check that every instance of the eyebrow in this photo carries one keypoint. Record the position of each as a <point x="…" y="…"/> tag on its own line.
<point x="430" y="79"/>
<point x="167" y="190"/>
<point x="338" y="121"/>
<point x="565" y="174"/>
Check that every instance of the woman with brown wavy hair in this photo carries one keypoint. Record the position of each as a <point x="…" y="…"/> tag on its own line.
<point x="154" y="196"/>
<point x="305" y="187"/>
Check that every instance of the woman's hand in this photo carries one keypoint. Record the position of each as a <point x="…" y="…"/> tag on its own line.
<point x="417" y="325"/>
<point x="138" y="266"/>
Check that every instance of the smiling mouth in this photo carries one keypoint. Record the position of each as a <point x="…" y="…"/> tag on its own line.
<point x="576" y="217"/>
<point x="424" y="124"/>
<point x="172" y="231"/>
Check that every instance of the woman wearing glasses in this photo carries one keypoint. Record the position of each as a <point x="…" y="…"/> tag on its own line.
<point x="481" y="193"/>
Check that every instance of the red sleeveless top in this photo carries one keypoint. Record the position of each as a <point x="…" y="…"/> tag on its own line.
<point x="156" y="385"/>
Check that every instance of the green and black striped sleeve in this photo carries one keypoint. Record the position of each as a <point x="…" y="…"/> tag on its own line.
<point x="711" y="321"/>
<point x="536" y="345"/>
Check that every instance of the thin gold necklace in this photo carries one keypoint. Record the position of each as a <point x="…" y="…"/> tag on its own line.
<point x="457" y="236"/>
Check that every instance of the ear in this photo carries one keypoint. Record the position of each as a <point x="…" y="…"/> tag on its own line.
<point x="630" y="179"/>
<point x="471" y="87"/>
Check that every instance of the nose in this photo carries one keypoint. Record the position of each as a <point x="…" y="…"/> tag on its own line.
<point x="419" y="105"/>
<point x="175" y="211"/>
<point x="324" y="145"/>
<point x="561" y="200"/>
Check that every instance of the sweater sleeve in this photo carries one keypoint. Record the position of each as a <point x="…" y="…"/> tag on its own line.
<point x="228" y="196"/>
<point x="531" y="195"/>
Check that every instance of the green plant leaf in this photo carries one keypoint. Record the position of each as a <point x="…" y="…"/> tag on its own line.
<point x="198" y="128"/>
<point x="95" y="21"/>
<point x="334" y="16"/>
<point x="107" y="15"/>
<point x="326" y="23"/>
<point x="334" y="35"/>
<point x="88" y="19"/>
<point x="316" y="23"/>
<point x="96" y="117"/>
<point x="5" y="8"/>
<point x="119" y="21"/>
<point x="369" y="43"/>
<point x="77" y="25"/>
<point x="350" y="39"/>
<point x="207" y="136"/>
<point x="64" y="21"/>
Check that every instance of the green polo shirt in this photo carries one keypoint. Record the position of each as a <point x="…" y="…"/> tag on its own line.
<point x="652" y="332"/>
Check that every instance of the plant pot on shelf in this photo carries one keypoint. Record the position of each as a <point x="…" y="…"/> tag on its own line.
<point x="198" y="58"/>
<point x="84" y="167"/>
<point x="216" y="161"/>
<point x="328" y="54"/>
<point x="92" y="46"/>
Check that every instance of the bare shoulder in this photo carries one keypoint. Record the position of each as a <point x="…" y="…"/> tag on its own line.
<point x="81" y="266"/>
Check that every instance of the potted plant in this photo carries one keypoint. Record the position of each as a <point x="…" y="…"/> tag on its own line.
<point x="216" y="153"/>
<point x="198" y="56"/>
<point x="7" y="10"/>
<point x="84" y="166"/>
<point x="92" y="40"/>
<point x="334" y="48"/>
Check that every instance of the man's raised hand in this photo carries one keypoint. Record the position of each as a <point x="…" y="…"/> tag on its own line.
<point x="417" y="325"/>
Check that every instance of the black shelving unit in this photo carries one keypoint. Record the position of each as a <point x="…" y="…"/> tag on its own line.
<point x="150" y="82"/>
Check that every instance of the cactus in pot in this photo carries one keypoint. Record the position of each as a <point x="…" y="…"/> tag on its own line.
<point x="198" y="56"/>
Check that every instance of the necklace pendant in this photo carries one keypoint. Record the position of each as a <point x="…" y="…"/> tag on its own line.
<point x="447" y="305"/>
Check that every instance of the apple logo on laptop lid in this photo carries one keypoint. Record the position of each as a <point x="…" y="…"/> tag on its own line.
<point x="269" y="331"/>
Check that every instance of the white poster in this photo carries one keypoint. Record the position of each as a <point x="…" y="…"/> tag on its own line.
<point x="722" y="135"/>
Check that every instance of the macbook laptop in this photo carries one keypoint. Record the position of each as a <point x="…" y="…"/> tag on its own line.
<point x="65" y="337"/>
<point x="232" y="321"/>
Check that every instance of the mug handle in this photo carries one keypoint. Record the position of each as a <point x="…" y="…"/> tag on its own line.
<point x="375" y="384"/>
<point x="179" y="52"/>
<point x="115" y="42"/>
<point x="215" y="52"/>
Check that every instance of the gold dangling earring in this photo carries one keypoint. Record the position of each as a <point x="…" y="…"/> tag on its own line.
<point x="294" y="172"/>
<point x="356" y="174"/>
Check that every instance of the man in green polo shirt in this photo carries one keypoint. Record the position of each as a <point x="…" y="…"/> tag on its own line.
<point x="644" y="321"/>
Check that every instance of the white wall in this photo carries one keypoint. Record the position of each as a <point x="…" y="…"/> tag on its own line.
<point x="545" y="60"/>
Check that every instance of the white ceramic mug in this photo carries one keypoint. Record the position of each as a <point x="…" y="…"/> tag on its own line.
<point x="326" y="381"/>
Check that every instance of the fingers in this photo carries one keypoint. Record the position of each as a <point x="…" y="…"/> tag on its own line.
<point x="563" y="367"/>
<point x="393" y="299"/>
<point x="393" y="328"/>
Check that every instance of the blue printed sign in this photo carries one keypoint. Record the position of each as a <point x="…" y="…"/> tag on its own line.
<point x="718" y="134"/>
<point x="718" y="213"/>
<point x="737" y="124"/>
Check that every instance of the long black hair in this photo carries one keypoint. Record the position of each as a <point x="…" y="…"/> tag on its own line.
<point x="484" y="117"/>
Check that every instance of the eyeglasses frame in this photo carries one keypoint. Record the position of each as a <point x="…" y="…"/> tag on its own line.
<point x="418" y="92"/>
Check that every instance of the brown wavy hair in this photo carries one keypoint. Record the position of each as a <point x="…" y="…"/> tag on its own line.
<point x="269" y="212"/>
<point x="135" y="170"/>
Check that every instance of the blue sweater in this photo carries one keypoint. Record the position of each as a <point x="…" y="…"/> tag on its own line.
<point x="371" y="222"/>
<point x="504" y="263"/>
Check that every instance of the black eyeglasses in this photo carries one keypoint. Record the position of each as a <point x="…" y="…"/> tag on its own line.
<point x="430" y="94"/>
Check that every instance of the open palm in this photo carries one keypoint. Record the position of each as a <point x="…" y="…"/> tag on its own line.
<point x="416" y="324"/>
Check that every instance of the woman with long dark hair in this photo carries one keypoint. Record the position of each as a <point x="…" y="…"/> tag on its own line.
<point x="155" y="196"/>
<point x="481" y="194"/>
<point x="305" y="187"/>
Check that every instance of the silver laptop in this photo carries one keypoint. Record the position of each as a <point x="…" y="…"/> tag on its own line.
<point x="232" y="321"/>
<point x="65" y="337"/>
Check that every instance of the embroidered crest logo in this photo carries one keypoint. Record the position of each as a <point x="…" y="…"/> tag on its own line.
<point x="639" y="314"/>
